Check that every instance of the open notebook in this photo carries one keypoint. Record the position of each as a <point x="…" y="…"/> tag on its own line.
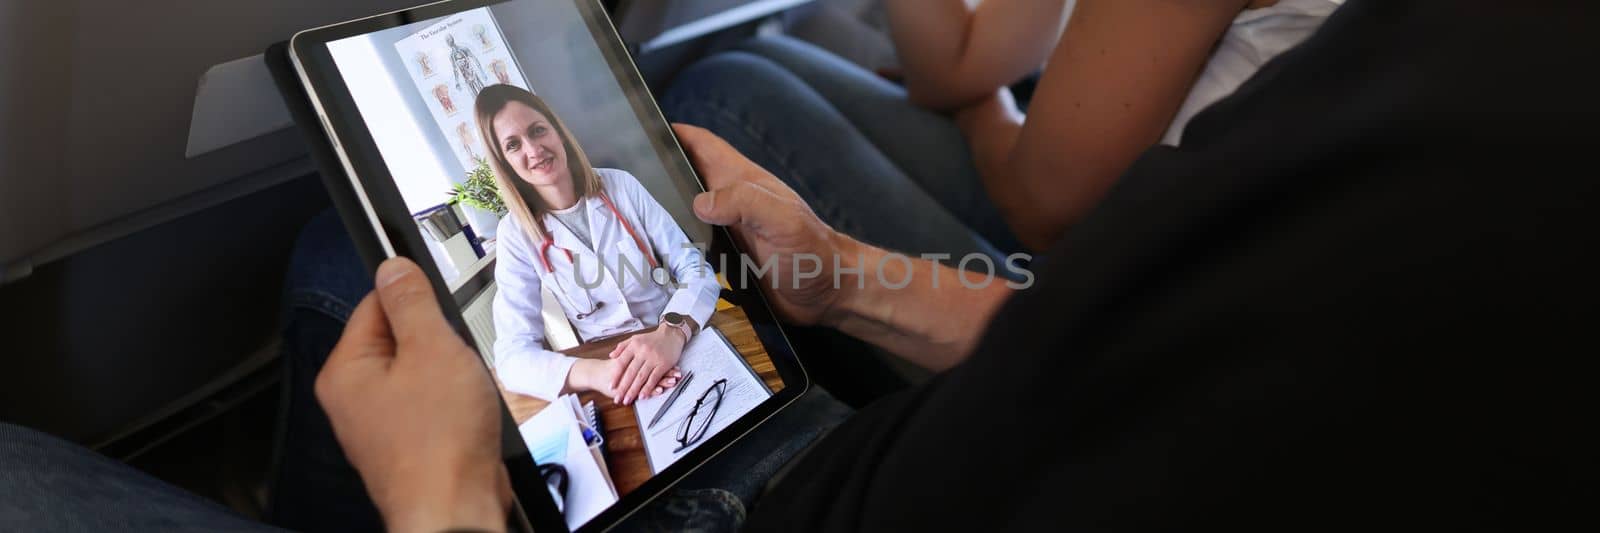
<point x="709" y="357"/>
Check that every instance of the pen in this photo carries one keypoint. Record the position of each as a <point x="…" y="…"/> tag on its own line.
<point x="671" y="398"/>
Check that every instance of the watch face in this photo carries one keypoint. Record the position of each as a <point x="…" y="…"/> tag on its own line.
<point x="674" y="319"/>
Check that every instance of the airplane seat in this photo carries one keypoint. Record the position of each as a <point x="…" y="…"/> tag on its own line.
<point x="124" y="344"/>
<point x="140" y="275"/>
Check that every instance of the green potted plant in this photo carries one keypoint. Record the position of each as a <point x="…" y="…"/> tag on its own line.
<point x="481" y="193"/>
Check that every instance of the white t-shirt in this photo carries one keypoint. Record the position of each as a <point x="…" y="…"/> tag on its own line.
<point x="1257" y="36"/>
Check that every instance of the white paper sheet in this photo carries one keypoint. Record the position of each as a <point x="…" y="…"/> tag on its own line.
<point x="710" y="357"/>
<point x="556" y="433"/>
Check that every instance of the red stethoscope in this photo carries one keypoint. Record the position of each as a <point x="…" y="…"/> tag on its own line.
<point x="657" y="274"/>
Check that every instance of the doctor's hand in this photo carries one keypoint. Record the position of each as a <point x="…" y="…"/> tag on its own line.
<point x="774" y="226"/>
<point x="599" y="375"/>
<point x="643" y="362"/>
<point x="415" y="411"/>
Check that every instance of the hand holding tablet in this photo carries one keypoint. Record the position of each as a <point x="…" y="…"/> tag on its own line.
<point x="375" y="389"/>
<point x="511" y="149"/>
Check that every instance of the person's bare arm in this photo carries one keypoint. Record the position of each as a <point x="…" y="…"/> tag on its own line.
<point x="1116" y="80"/>
<point x="934" y="321"/>
<point x="992" y="127"/>
<point x="952" y="54"/>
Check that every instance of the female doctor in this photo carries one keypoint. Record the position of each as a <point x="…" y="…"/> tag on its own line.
<point x="613" y="257"/>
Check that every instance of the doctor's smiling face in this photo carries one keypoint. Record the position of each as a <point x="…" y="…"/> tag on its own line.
<point x="537" y="164"/>
<point x="532" y="146"/>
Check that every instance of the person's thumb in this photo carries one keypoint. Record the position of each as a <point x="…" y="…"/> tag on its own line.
<point x="742" y="203"/>
<point x="409" y="303"/>
<point x="363" y="348"/>
<point x="713" y="158"/>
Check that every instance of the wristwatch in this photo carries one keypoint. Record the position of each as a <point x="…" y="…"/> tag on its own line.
<point x="681" y="322"/>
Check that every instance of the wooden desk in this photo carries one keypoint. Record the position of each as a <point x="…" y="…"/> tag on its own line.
<point x="624" y="444"/>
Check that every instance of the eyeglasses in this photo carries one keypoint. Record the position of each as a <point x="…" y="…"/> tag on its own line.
<point x="694" y="427"/>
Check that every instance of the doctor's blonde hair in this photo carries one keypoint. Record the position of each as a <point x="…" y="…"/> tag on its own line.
<point x="521" y="199"/>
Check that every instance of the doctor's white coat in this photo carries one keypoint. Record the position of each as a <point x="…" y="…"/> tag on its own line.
<point x="521" y="359"/>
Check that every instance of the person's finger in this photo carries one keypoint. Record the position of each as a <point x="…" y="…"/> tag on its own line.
<point x="656" y="375"/>
<point x="640" y="381"/>
<point x="625" y="392"/>
<point x="658" y="391"/>
<point x="365" y="334"/>
<point x="615" y="372"/>
<point x="408" y="301"/>
<point x="631" y="392"/>
<point x="675" y="372"/>
<point x="621" y="348"/>
<point x="720" y="164"/>
<point x="364" y="347"/>
<point x="648" y="376"/>
<point x="629" y="362"/>
<point x="716" y="161"/>
<point x="629" y="376"/>
<point x="741" y="203"/>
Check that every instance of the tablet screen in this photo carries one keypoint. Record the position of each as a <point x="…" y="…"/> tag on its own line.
<point x="562" y="224"/>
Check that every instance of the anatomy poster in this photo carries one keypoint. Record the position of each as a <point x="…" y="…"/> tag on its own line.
<point x="449" y="62"/>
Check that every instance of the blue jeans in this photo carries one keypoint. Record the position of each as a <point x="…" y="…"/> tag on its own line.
<point x="52" y="485"/>
<point x="871" y="164"/>
<point x="48" y="484"/>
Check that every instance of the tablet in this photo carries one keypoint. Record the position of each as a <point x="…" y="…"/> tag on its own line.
<point x="511" y="148"/>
